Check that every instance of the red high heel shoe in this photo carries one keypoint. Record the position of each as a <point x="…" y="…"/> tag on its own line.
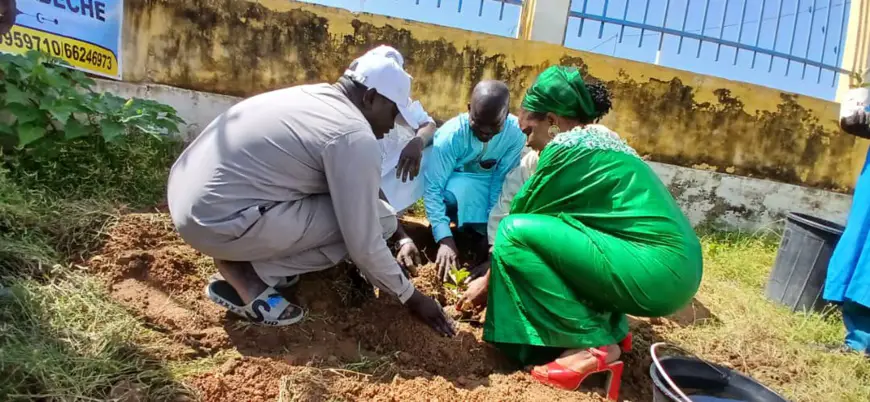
<point x="562" y="377"/>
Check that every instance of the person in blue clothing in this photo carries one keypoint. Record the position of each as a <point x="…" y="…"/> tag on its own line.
<point x="468" y="161"/>
<point x="848" y="280"/>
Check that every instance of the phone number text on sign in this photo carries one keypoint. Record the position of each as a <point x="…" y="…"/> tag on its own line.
<point x="77" y="53"/>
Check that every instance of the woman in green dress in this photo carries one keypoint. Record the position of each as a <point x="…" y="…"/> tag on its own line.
<point x="591" y="236"/>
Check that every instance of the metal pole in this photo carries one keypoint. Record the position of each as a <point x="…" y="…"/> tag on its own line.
<point x="645" y="14"/>
<point x="740" y="31"/>
<point x="662" y="35"/>
<point x="825" y="40"/>
<point x="703" y="27"/>
<point x="721" y="29"/>
<point x="685" y="17"/>
<point x="580" y="31"/>
<point x="603" y="14"/>
<point x="758" y="31"/>
<point x="840" y="43"/>
<point x="793" y="35"/>
<point x="624" y="17"/>
<point x="775" y="35"/>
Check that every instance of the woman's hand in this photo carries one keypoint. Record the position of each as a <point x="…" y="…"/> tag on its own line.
<point x="409" y="160"/>
<point x="408" y="257"/>
<point x="476" y="294"/>
<point x="445" y="260"/>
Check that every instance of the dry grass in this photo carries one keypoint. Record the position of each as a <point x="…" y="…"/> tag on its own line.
<point x="67" y="340"/>
<point x="786" y="351"/>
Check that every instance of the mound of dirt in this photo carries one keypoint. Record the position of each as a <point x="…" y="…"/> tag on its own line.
<point x="352" y="345"/>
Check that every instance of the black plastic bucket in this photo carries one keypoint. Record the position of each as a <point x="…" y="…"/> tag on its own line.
<point x="798" y="276"/>
<point x="702" y="381"/>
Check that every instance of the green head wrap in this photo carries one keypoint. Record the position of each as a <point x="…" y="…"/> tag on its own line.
<point x="560" y="90"/>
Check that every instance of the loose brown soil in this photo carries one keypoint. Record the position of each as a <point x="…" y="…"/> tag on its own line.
<point x="349" y="347"/>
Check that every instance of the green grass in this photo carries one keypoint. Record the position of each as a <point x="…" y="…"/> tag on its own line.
<point x="418" y="209"/>
<point x="186" y="369"/>
<point x="61" y="336"/>
<point x="790" y="352"/>
<point x="67" y="340"/>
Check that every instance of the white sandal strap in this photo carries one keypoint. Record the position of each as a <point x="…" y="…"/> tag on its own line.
<point x="268" y="307"/>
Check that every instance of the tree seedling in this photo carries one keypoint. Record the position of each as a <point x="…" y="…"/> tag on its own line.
<point x="459" y="277"/>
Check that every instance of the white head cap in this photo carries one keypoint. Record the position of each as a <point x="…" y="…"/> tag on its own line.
<point x="388" y="51"/>
<point x="382" y="72"/>
<point x="383" y="51"/>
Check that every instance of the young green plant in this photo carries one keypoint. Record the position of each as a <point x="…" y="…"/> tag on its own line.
<point x="458" y="277"/>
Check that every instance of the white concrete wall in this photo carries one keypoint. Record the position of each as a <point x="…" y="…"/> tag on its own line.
<point x="198" y="109"/>
<point x="744" y="203"/>
<point x="707" y="198"/>
<point x="549" y="20"/>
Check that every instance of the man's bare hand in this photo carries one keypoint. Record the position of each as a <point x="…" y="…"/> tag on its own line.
<point x="446" y="258"/>
<point x="410" y="159"/>
<point x="409" y="257"/>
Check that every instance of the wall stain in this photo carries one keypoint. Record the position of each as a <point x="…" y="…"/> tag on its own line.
<point x="242" y="48"/>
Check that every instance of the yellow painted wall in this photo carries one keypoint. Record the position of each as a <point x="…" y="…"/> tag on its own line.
<point x="240" y="47"/>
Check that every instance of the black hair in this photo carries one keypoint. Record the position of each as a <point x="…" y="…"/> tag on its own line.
<point x="600" y="100"/>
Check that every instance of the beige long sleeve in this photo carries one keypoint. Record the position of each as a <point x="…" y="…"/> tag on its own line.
<point x="512" y="185"/>
<point x="353" y="173"/>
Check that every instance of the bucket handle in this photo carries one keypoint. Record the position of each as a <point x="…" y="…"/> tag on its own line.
<point x="667" y="378"/>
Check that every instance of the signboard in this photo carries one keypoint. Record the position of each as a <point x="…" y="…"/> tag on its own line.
<point x="84" y="33"/>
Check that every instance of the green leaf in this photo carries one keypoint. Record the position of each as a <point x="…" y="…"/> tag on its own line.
<point x="112" y="101"/>
<point x="459" y="275"/>
<point x="169" y="125"/>
<point x="26" y="114"/>
<point x="55" y="79"/>
<point x="61" y="111"/>
<point x="28" y="133"/>
<point x="112" y="130"/>
<point x="23" y="63"/>
<point x="75" y="129"/>
<point x="6" y="129"/>
<point x="83" y="80"/>
<point x="16" y="95"/>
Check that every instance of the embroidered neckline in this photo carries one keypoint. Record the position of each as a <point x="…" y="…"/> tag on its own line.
<point x="594" y="137"/>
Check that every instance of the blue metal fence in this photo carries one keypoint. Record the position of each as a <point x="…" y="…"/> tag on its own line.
<point x="787" y="34"/>
<point x="497" y="17"/>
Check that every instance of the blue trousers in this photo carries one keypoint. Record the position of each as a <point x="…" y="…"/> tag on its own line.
<point x="857" y="320"/>
<point x="848" y="279"/>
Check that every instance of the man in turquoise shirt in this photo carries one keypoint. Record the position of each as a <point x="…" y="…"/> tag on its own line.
<point x="468" y="161"/>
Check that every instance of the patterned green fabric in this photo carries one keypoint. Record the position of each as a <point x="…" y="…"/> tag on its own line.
<point x="593" y="235"/>
<point x="560" y="90"/>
